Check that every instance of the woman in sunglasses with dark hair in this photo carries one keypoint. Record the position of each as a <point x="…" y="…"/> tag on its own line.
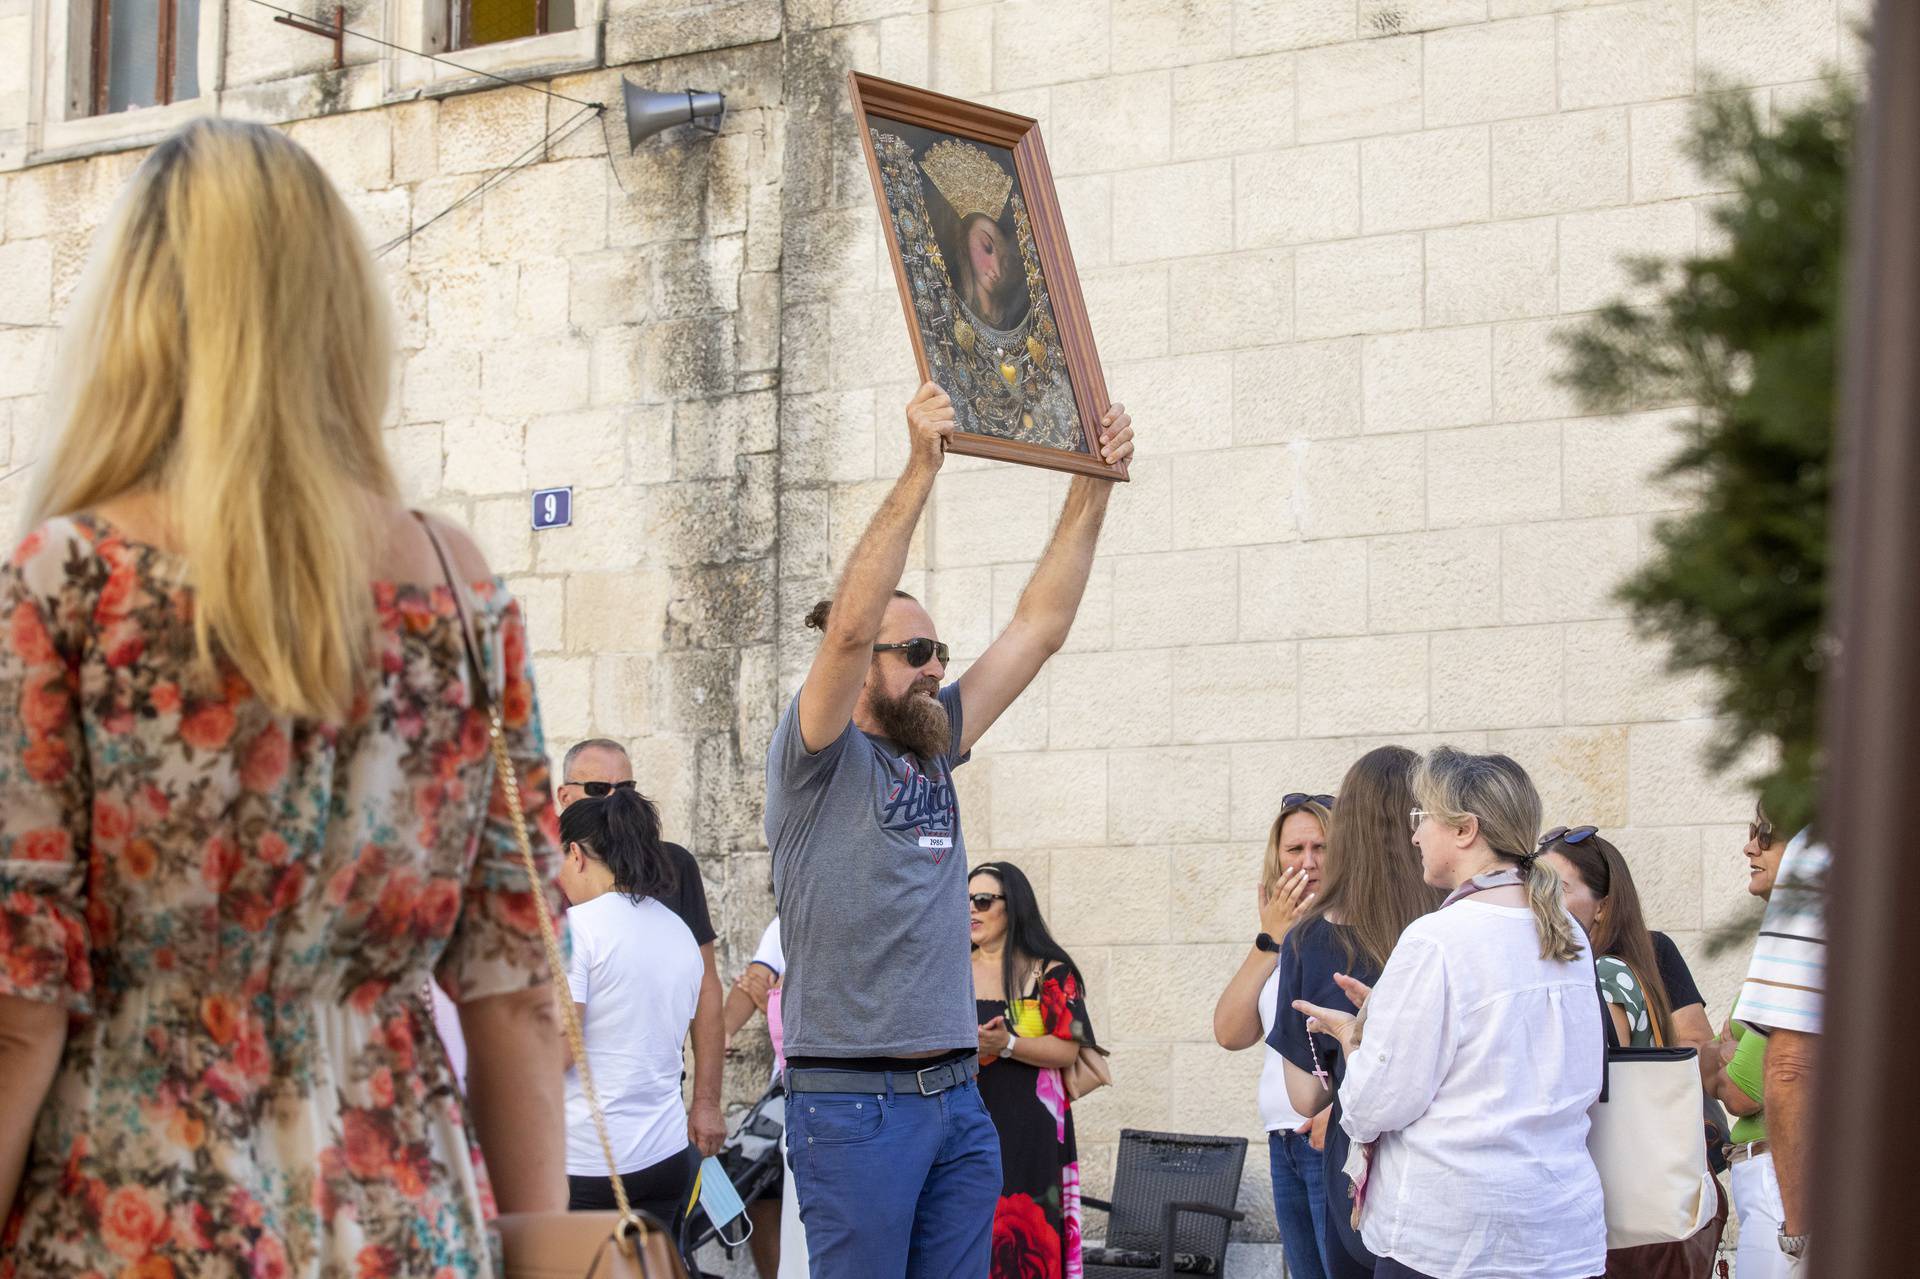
<point x="1032" y="1010"/>
<point x="1648" y="987"/>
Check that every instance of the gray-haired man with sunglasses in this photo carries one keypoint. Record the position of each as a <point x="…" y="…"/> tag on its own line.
<point x="895" y="1159"/>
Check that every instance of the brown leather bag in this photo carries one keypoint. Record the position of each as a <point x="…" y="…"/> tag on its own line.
<point x="626" y="1243"/>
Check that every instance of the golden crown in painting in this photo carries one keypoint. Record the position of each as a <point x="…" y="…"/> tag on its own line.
<point x="967" y="178"/>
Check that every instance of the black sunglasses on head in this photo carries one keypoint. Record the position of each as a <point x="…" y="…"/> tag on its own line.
<point x="983" y="902"/>
<point x="1296" y="798"/>
<point x="918" y="652"/>
<point x="600" y="790"/>
<point x="1568" y="835"/>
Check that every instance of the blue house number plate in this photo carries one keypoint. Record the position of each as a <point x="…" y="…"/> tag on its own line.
<point x="553" y="508"/>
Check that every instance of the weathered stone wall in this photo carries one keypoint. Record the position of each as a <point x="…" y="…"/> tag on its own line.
<point x="1325" y="243"/>
<point x="610" y="325"/>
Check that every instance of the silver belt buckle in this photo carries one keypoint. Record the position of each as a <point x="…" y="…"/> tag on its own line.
<point x="920" y="1080"/>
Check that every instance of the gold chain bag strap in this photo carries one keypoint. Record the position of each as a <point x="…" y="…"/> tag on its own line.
<point x="625" y="1243"/>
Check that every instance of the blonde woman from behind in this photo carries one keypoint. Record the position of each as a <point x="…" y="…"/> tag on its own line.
<point x="244" y="785"/>
<point x="1475" y="1057"/>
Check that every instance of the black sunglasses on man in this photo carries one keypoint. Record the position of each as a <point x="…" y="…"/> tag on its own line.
<point x="600" y="790"/>
<point x="918" y="652"/>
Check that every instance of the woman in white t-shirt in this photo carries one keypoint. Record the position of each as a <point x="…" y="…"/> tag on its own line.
<point x="1289" y="880"/>
<point x="635" y="975"/>
<point x="1476" y="1056"/>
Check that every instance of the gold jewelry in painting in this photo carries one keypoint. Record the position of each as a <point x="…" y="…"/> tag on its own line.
<point x="977" y="288"/>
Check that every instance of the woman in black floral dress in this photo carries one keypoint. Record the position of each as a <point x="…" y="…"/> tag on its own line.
<point x="1033" y="1019"/>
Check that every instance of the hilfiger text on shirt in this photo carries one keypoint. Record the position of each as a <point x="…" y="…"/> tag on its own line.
<point x="917" y="804"/>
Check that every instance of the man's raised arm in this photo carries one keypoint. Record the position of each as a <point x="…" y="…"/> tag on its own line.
<point x="840" y="666"/>
<point x="1047" y="607"/>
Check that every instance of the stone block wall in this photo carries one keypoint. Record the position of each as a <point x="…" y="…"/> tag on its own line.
<point x="1326" y="245"/>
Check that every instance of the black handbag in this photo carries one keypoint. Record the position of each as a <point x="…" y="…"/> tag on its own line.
<point x="1719" y="1133"/>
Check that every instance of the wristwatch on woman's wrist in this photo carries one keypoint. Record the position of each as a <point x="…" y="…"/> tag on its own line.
<point x="1006" y="1049"/>
<point x="1792" y="1245"/>
<point x="1265" y="942"/>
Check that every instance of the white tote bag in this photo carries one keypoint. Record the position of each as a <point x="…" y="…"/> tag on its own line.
<point x="1646" y="1139"/>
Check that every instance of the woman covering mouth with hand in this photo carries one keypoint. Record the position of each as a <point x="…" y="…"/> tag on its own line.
<point x="1244" y="1016"/>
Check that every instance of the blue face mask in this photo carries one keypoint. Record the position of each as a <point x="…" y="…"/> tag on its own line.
<point x="721" y="1202"/>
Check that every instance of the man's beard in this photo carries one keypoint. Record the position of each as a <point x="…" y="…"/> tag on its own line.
<point x="914" y="721"/>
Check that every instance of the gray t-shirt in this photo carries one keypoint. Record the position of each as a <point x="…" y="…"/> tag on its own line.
<point x="870" y="874"/>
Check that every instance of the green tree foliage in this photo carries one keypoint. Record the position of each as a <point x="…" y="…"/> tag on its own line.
<point x="1747" y="334"/>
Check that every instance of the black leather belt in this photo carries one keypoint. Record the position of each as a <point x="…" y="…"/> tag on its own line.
<point x="927" y="1082"/>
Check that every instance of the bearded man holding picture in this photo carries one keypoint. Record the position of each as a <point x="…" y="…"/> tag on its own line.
<point x="895" y="1159"/>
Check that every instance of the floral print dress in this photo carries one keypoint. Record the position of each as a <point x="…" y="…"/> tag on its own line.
<point x="240" y="912"/>
<point x="1036" y="1224"/>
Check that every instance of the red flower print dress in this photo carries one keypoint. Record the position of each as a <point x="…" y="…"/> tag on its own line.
<point x="1036" y="1225"/>
<point x="240" y="912"/>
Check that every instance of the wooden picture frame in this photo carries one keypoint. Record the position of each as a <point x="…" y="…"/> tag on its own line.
<point x="1016" y="354"/>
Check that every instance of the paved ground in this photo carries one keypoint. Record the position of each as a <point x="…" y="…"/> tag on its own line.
<point x="1244" y="1261"/>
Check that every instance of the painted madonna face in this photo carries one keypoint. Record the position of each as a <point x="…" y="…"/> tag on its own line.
<point x="993" y="281"/>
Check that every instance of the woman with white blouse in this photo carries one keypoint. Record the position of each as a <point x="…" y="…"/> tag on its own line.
<point x="1476" y="1056"/>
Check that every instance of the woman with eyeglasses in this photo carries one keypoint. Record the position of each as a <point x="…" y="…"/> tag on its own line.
<point x="1474" y="1059"/>
<point x="1032" y="1010"/>
<point x="1370" y="891"/>
<point x="1244" y="1016"/>
<point x="635" y="974"/>
<point x="1738" y="1058"/>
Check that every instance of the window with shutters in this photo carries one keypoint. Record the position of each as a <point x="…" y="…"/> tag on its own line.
<point x="146" y="53"/>
<point x="481" y="22"/>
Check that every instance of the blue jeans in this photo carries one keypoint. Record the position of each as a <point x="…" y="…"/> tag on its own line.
<point x="895" y="1183"/>
<point x="1299" y="1202"/>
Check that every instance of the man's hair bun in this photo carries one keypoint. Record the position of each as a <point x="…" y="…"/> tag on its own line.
<point x="817" y="615"/>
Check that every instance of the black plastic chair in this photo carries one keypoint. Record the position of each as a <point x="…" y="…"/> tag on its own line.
<point x="1173" y="1203"/>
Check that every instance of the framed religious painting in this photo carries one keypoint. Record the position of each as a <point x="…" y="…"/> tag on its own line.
<point x="980" y="254"/>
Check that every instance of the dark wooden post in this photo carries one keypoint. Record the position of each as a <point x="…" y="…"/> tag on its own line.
<point x="1868" y="1128"/>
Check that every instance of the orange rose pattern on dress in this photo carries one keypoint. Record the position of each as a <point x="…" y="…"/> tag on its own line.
<point x="240" y="912"/>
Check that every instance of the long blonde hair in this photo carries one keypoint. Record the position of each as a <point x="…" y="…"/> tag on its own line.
<point x="1452" y="785"/>
<point x="229" y="355"/>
